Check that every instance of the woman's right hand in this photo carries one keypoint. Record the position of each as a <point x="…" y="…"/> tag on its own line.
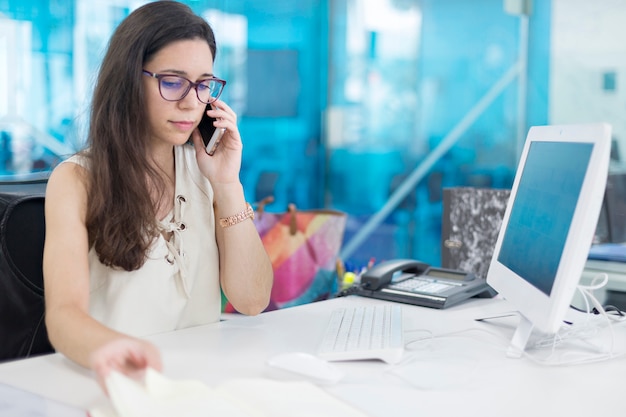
<point x="127" y="356"/>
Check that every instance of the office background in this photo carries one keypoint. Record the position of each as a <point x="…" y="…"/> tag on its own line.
<point x="370" y="107"/>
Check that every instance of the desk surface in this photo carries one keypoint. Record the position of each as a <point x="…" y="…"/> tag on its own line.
<point x="462" y="370"/>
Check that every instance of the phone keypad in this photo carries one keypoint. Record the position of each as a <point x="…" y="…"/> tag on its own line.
<point x="425" y="285"/>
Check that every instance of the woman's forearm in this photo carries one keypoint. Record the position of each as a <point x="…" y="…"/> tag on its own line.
<point x="246" y="272"/>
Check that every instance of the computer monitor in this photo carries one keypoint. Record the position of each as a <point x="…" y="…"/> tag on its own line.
<point x="549" y="224"/>
<point x="614" y="207"/>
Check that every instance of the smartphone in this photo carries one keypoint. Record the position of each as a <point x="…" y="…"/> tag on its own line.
<point x="211" y="135"/>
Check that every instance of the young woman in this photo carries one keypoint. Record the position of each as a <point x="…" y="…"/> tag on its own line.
<point x="143" y="229"/>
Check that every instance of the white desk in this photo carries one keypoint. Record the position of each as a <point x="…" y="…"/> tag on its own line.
<point x="462" y="374"/>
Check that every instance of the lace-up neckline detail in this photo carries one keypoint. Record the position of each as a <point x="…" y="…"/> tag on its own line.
<point x="172" y="232"/>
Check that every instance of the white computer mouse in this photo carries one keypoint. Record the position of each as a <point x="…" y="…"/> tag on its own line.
<point x="308" y="365"/>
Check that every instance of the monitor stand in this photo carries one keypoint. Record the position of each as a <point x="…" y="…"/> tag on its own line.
<point x="520" y="338"/>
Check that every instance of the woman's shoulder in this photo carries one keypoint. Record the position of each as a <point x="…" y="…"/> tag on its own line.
<point x="70" y="172"/>
<point x="78" y="158"/>
<point x="186" y="158"/>
<point x="188" y="170"/>
<point x="186" y="151"/>
<point x="74" y="164"/>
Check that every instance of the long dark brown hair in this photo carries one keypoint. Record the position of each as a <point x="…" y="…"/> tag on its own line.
<point x="121" y="216"/>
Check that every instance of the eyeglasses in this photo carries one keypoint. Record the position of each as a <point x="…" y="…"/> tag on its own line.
<point x="175" y="88"/>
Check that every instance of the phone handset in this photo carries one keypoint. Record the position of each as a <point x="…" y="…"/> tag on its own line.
<point x="211" y="136"/>
<point x="381" y="274"/>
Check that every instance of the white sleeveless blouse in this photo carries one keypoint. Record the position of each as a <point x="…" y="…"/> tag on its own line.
<point x="178" y="286"/>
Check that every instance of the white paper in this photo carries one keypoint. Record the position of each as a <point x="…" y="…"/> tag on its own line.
<point x="159" y="396"/>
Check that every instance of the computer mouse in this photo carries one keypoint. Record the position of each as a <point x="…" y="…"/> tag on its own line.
<point x="308" y="365"/>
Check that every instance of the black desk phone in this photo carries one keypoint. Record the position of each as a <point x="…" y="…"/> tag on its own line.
<point x="413" y="282"/>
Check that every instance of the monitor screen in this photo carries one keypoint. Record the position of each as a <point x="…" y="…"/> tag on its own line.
<point x="544" y="207"/>
<point x="549" y="223"/>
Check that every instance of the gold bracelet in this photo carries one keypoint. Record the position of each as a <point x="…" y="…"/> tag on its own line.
<point x="248" y="213"/>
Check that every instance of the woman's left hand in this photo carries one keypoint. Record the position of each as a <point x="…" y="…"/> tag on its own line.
<point x="223" y="167"/>
<point x="128" y="356"/>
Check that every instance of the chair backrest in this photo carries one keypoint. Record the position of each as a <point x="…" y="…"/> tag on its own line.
<point x="22" y="231"/>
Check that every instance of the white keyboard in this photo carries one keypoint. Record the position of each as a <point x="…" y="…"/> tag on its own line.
<point x="365" y="332"/>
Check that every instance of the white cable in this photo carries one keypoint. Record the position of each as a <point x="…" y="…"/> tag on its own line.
<point x="583" y="332"/>
<point x="593" y="286"/>
<point x="429" y="336"/>
<point x="460" y="333"/>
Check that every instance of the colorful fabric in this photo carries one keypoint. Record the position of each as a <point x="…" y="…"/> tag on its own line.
<point x="303" y="247"/>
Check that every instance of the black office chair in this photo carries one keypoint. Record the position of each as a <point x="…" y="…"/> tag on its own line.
<point x="22" y="230"/>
